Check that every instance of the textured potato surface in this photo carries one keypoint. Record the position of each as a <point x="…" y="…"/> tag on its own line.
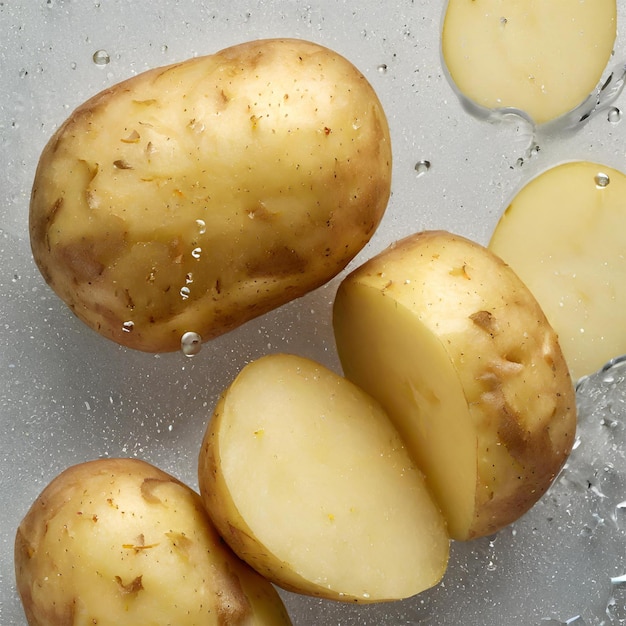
<point x="309" y="482"/>
<point x="456" y="349"/>
<point x="194" y="197"/>
<point x="564" y="234"/>
<point x="118" y="542"/>
<point x="544" y="58"/>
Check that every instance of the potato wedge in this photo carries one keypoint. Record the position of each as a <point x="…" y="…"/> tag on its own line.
<point x="564" y="234"/>
<point x="543" y="58"/>
<point x="117" y="542"/>
<point x="456" y="349"/>
<point x="194" y="197"/>
<point x="308" y="481"/>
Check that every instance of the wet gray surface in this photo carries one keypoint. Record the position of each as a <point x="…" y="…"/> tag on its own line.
<point x="67" y="395"/>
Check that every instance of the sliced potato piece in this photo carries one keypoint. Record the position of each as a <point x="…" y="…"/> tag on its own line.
<point x="308" y="481"/>
<point x="453" y="345"/>
<point x="544" y="58"/>
<point x="564" y="234"/>
<point x="120" y="542"/>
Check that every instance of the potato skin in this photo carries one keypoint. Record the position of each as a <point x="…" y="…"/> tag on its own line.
<point x="200" y="195"/>
<point x="120" y="542"/>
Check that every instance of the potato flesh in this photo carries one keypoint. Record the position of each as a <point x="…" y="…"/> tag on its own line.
<point x="564" y="235"/>
<point x="119" y="542"/>
<point x="310" y="483"/>
<point x="197" y="196"/>
<point x="457" y="351"/>
<point x="544" y="58"/>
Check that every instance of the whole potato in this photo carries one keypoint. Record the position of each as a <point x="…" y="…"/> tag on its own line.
<point x="457" y="350"/>
<point x="119" y="542"/>
<point x="194" y="197"/>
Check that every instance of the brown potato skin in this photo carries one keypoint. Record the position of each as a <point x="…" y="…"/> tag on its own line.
<point x="246" y="178"/>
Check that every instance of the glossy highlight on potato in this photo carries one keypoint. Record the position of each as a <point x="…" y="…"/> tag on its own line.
<point x="195" y="197"/>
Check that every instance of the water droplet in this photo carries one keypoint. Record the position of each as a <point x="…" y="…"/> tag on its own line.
<point x="23" y="73"/>
<point x="164" y="48"/>
<point x="184" y="292"/>
<point x="196" y="252"/>
<point x="421" y="167"/>
<point x="189" y="278"/>
<point x="201" y="224"/>
<point x="73" y="65"/>
<point x="602" y="180"/>
<point x="128" y="327"/>
<point x="382" y="68"/>
<point x="101" y="57"/>
<point x="614" y="115"/>
<point x="190" y="343"/>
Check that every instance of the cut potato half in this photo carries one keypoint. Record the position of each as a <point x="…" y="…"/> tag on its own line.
<point x="564" y="234"/>
<point x="309" y="482"/>
<point x="456" y="349"/>
<point x="544" y="58"/>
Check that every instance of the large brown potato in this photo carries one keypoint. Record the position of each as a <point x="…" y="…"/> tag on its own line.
<point x="194" y="197"/>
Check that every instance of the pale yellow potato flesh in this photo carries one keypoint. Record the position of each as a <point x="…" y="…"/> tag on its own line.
<point x="458" y="352"/>
<point x="542" y="57"/>
<point x="564" y="234"/>
<point x="118" y="542"/>
<point x="194" y="197"/>
<point x="309" y="482"/>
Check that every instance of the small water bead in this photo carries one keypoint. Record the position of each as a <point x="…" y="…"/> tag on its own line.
<point x="602" y="180"/>
<point x="421" y="167"/>
<point x="201" y="224"/>
<point x="196" y="252"/>
<point x="128" y="327"/>
<point x="184" y="292"/>
<point x="101" y="57"/>
<point x="190" y="343"/>
<point x="382" y="68"/>
<point x="614" y="115"/>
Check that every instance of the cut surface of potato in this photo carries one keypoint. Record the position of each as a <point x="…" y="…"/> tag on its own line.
<point x="544" y="58"/>
<point x="117" y="542"/>
<point x="308" y="481"/>
<point x="194" y="197"/>
<point x="455" y="348"/>
<point x="564" y="234"/>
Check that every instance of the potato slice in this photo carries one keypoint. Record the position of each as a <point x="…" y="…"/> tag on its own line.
<point x="120" y="542"/>
<point x="308" y="482"/>
<point x="453" y="345"/>
<point x="544" y="58"/>
<point x="564" y="234"/>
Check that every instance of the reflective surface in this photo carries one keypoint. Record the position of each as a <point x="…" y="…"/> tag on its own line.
<point x="67" y="395"/>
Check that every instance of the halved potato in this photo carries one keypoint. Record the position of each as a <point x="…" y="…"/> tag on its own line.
<point x="564" y="234"/>
<point x="456" y="349"/>
<point x="544" y="58"/>
<point x="119" y="542"/>
<point x="308" y="481"/>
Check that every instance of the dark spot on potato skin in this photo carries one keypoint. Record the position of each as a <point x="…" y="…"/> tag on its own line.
<point x="131" y="588"/>
<point x="484" y="320"/>
<point x="279" y="261"/>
